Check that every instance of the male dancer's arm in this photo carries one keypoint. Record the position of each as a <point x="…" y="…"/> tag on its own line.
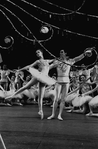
<point x="80" y="57"/>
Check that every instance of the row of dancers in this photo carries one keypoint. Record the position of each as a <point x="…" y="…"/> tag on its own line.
<point x="62" y="82"/>
<point x="40" y="76"/>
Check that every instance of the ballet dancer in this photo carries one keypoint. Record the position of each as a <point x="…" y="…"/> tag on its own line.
<point x="80" y="98"/>
<point x="38" y="76"/>
<point x="93" y="103"/>
<point x="63" y="70"/>
<point x="4" y="77"/>
<point x="19" y="75"/>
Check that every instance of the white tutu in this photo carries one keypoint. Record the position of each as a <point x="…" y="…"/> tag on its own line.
<point x="79" y="101"/>
<point x="30" y="93"/>
<point x="94" y="101"/>
<point x="2" y="95"/>
<point x="42" y="77"/>
<point x="70" y="97"/>
<point x="50" y="92"/>
<point x="76" y="101"/>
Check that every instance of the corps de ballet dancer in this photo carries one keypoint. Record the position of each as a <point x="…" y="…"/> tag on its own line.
<point x="63" y="82"/>
<point x="39" y="76"/>
<point x="76" y="96"/>
<point x="19" y="75"/>
<point x="12" y="89"/>
<point x="86" y="72"/>
<point x="4" y="77"/>
<point x="93" y="103"/>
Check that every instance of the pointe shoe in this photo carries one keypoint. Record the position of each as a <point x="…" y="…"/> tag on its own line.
<point x="50" y="117"/>
<point x="41" y="114"/>
<point x="68" y="108"/>
<point x="8" y="104"/>
<point x="69" y="111"/>
<point x="60" y="118"/>
<point x="89" y="114"/>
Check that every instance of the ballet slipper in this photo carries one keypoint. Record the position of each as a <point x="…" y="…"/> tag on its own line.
<point x="41" y="114"/>
<point x="19" y="104"/>
<point x="67" y="108"/>
<point x="50" y="117"/>
<point x="60" y="118"/>
<point x="69" y="111"/>
<point x="89" y="114"/>
<point x="78" y="111"/>
<point x="8" y="104"/>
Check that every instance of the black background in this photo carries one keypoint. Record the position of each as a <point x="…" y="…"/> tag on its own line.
<point x="23" y="51"/>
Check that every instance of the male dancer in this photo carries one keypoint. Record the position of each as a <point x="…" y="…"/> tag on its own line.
<point x="63" y="69"/>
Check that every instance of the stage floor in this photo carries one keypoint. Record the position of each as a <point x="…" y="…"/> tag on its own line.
<point x="22" y="128"/>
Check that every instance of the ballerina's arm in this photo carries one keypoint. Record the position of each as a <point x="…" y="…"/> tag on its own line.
<point x="28" y="66"/>
<point x="78" y="87"/>
<point x="73" y="91"/>
<point x="91" y="91"/>
<point x="2" y="88"/>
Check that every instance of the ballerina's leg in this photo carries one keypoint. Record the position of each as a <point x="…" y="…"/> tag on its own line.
<point x="40" y="99"/>
<point x="32" y="82"/>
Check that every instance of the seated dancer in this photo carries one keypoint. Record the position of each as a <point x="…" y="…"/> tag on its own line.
<point x="38" y="76"/>
<point x="12" y="89"/>
<point x="85" y="71"/>
<point x="63" y="70"/>
<point x="74" y="83"/>
<point x="94" y="101"/>
<point x="79" y="100"/>
<point x="12" y="83"/>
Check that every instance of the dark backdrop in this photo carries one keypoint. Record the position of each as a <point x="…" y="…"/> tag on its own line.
<point x="23" y="51"/>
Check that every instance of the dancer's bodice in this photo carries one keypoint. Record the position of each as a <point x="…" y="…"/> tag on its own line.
<point x="43" y="66"/>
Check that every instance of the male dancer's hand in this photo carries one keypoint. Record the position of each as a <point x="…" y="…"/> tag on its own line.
<point x="88" y="53"/>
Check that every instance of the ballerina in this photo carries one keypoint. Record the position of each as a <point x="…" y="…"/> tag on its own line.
<point x="38" y="76"/>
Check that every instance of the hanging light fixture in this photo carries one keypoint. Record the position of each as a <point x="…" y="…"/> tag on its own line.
<point x="44" y="29"/>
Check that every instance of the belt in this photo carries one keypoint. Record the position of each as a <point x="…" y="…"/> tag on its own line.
<point x="63" y="76"/>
